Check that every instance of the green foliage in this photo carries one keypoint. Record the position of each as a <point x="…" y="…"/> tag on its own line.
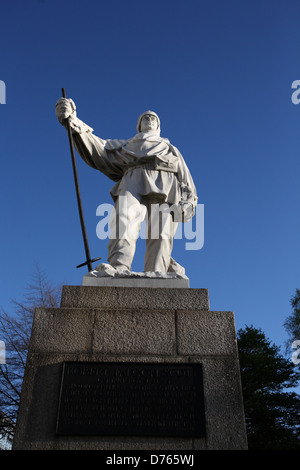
<point x="271" y="411"/>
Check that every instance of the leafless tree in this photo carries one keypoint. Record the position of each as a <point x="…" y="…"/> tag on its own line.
<point x="15" y="330"/>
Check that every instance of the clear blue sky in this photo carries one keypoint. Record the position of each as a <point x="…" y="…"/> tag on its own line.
<point x="219" y="75"/>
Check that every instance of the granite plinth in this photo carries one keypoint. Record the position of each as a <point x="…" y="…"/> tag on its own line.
<point x="130" y="297"/>
<point x="132" y="325"/>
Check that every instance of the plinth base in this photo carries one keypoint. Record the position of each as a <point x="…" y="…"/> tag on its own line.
<point x="149" y="349"/>
<point x="137" y="279"/>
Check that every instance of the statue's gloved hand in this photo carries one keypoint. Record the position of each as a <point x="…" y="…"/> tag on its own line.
<point x="187" y="203"/>
<point x="187" y="211"/>
<point x="64" y="108"/>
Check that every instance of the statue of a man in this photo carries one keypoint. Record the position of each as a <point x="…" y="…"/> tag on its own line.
<point x="150" y="174"/>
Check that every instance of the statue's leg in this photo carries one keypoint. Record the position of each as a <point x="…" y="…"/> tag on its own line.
<point x="160" y="234"/>
<point x="125" y="226"/>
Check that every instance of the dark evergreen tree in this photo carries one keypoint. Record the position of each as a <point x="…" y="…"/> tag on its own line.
<point x="272" y="410"/>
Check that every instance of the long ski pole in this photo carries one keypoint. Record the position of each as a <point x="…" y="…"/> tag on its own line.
<point x="88" y="261"/>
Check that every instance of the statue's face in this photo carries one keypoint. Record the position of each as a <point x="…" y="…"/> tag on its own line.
<point x="149" y="123"/>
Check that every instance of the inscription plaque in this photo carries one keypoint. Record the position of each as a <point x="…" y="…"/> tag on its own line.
<point x="132" y="399"/>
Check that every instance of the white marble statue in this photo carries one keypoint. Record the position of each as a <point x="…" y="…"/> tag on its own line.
<point x="151" y="177"/>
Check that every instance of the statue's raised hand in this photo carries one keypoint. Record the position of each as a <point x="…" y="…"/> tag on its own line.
<point x="64" y="108"/>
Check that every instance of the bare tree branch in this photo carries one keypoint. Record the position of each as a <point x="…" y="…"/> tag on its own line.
<point x="15" y="331"/>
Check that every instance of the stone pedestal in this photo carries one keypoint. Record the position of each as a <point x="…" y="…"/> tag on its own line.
<point x="130" y="325"/>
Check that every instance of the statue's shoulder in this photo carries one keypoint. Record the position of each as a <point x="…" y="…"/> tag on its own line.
<point x="114" y="144"/>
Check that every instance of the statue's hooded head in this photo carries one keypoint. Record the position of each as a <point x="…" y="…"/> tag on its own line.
<point x="152" y="113"/>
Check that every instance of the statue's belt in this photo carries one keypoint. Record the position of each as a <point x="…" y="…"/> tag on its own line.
<point x="153" y="165"/>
